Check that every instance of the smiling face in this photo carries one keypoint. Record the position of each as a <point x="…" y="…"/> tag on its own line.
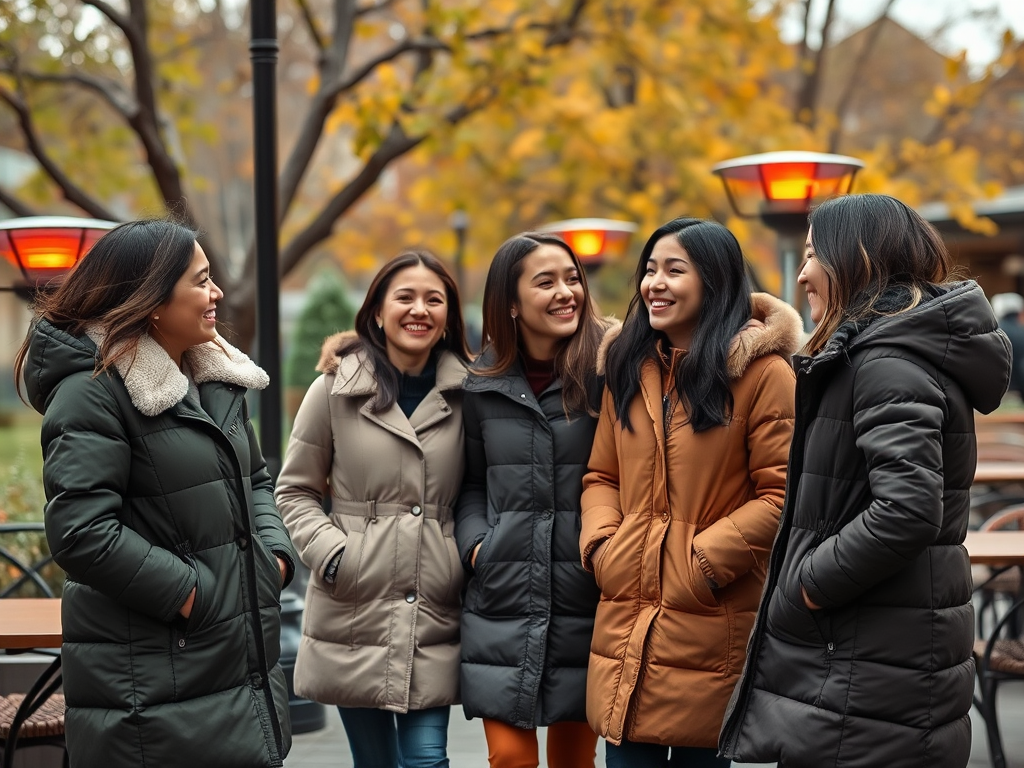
<point x="815" y="282"/>
<point x="672" y="291"/>
<point x="189" y="317"/>
<point x="413" y="314"/>
<point x="549" y="300"/>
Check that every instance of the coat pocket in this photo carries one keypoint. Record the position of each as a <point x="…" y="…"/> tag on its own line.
<point x="345" y="581"/>
<point x="702" y="591"/>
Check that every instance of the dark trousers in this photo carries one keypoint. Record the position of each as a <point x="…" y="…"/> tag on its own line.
<point x="630" y="754"/>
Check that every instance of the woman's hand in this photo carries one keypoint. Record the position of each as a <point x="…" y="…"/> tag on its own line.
<point x="186" y="609"/>
<point x="807" y="601"/>
<point x="596" y="552"/>
<point x="472" y="558"/>
<point x="283" y="567"/>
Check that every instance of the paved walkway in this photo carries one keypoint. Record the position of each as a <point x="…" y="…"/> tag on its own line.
<point x="328" y="748"/>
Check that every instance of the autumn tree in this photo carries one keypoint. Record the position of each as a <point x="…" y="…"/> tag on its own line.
<point x="105" y="96"/>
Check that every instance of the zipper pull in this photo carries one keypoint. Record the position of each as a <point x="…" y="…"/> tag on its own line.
<point x="830" y="648"/>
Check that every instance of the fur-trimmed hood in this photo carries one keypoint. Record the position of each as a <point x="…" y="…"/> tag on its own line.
<point x="774" y="328"/>
<point x="354" y="372"/>
<point x="153" y="381"/>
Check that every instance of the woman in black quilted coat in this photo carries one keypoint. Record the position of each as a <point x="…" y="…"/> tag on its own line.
<point x="861" y="653"/>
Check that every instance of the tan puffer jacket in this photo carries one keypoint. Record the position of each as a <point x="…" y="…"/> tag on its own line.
<point x="385" y="635"/>
<point x="678" y="512"/>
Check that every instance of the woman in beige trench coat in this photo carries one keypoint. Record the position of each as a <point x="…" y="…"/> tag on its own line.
<point x="381" y="430"/>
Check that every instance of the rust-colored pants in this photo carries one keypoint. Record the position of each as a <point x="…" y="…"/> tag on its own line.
<point x="570" y="745"/>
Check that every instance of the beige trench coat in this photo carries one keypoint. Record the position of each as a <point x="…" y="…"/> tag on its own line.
<point x="385" y="635"/>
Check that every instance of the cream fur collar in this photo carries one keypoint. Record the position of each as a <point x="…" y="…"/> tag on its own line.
<point x="775" y="327"/>
<point x="155" y="383"/>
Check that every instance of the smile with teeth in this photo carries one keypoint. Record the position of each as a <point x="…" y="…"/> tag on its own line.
<point x="416" y="327"/>
<point x="563" y="311"/>
<point x="661" y="303"/>
<point x="210" y="314"/>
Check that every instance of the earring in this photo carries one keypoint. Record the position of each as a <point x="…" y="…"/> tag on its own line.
<point x="380" y="323"/>
<point x="514" y="314"/>
<point x="156" y="317"/>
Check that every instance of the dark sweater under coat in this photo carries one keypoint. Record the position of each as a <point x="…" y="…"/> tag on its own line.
<point x="881" y="466"/>
<point x="529" y="609"/>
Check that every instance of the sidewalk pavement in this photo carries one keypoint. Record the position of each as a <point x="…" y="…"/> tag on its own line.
<point x="328" y="748"/>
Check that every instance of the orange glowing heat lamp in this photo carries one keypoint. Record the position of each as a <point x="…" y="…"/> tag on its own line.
<point x="47" y="247"/>
<point x="594" y="241"/>
<point x="785" y="182"/>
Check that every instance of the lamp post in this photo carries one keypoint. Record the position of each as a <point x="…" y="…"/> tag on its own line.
<point x="594" y="241"/>
<point x="459" y="222"/>
<point x="305" y="715"/>
<point x="780" y="188"/>
<point x="263" y="54"/>
<point x="44" y="248"/>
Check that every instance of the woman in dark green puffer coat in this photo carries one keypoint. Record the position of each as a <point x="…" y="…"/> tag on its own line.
<point x="160" y="510"/>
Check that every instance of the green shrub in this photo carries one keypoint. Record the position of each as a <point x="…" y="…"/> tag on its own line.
<point x="327" y="310"/>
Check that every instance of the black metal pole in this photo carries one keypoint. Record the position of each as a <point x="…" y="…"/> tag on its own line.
<point x="263" y="53"/>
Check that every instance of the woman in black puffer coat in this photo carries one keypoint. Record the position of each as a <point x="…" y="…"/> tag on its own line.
<point x="530" y="414"/>
<point x="861" y="653"/>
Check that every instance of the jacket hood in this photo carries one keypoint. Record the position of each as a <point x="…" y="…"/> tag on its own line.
<point x="354" y="373"/>
<point x="153" y="381"/>
<point x="774" y="328"/>
<point x="956" y="332"/>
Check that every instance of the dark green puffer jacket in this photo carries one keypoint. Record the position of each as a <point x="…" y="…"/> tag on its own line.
<point x="148" y="496"/>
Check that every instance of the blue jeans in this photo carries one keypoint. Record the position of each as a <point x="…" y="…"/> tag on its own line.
<point x="382" y="739"/>
<point x="631" y="754"/>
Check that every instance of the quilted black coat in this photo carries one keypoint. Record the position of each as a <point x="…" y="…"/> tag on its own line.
<point x="529" y="609"/>
<point x="881" y="464"/>
<point x="148" y="496"/>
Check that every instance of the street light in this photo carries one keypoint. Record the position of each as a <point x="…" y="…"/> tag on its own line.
<point x="594" y="241"/>
<point x="780" y="188"/>
<point x="44" y="248"/>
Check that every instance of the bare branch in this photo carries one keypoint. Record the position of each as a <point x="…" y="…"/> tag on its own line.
<point x="14" y="205"/>
<point x="311" y="24"/>
<point x="115" y="16"/>
<point x="111" y="92"/>
<point x="807" y="97"/>
<point x="72" y="192"/>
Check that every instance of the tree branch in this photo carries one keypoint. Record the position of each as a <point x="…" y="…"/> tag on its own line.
<point x="115" y="16"/>
<point x="16" y="206"/>
<point x="807" y="98"/>
<point x="311" y="24"/>
<point x="111" y="92"/>
<point x="380" y="5"/>
<point x="72" y="192"/>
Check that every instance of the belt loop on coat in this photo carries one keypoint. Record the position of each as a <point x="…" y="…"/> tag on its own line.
<point x="371" y="510"/>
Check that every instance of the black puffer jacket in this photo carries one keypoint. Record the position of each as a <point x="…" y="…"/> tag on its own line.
<point x="882" y="461"/>
<point x="529" y="611"/>
<point x="148" y="496"/>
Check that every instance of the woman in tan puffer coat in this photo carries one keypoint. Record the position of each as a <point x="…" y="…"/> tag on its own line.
<point x="381" y="430"/>
<point x="682" y="500"/>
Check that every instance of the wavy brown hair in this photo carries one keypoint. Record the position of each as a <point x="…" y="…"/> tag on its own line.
<point x="576" y="358"/>
<point x="117" y="285"/>
<point x="372" y="340"/>
<point x="866" y="244"/>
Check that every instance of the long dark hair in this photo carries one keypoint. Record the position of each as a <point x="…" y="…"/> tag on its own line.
<point x="576" y="358"/>
<point x="372" y="340"/>
<point x="702" y="380"/>
<point x="866" y="244"/>
<point x="124" y="277"/>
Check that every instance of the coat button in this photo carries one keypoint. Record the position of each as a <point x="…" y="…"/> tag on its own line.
<point x="243" y="542"/>
<point x="523" y="396"/>
<point x="181" y="643"/>
<point x="410" y="597"/>
<point x="416" y="510"/>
